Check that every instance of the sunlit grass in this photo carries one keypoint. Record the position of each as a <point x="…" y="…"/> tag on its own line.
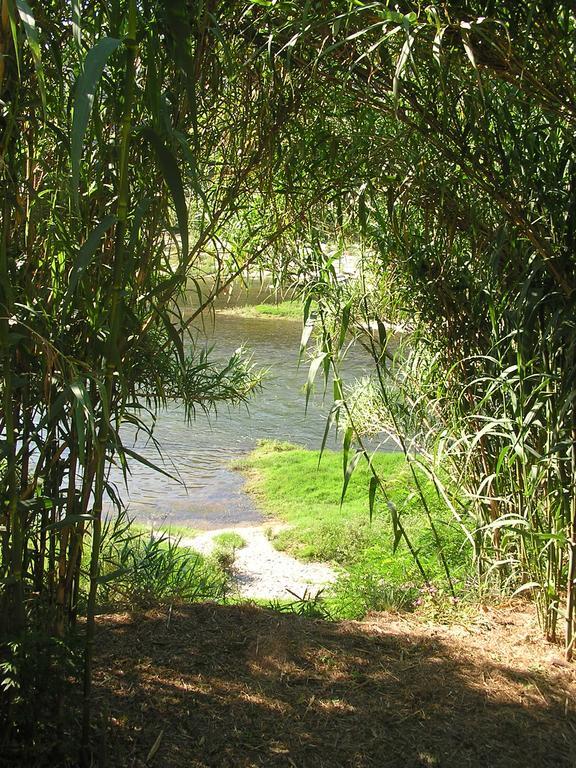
<point x="288" y="310"/>
<point x="289" y="484"/>
<point x="230" y="539"/>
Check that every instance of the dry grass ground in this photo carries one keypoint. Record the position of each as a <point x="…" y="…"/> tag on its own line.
<point x="239" y="686"/>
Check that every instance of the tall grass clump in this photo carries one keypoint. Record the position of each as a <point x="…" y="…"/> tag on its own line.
<point x="142" y="569"/>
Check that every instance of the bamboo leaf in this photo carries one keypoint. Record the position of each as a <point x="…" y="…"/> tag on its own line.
<point x="76" y="21"/>
<point x="68" y="522"/>
<point x="173" y="179"/>
<point x="173" y="334"/>
<point x="314" y="366"/>
<point x="401" y="64"/>
<point x="85" y="90"/>
<point x="29" y="23"/>
<point x="348" y="435"/>
<point x="87" y="251"/>
<point x="525" y="587"/>
<point x="143" y="460"/>
<point x="82" y="408"/>
<point x="306" y="333"/>
<point x="372" y="488"/>
<point x="106" y="577"/>
<point x="395" y="524"/>
<point x="332" y="416"/>
<point x="350" y="467"/>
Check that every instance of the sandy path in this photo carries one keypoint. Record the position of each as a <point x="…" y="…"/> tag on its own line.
<point x="261" y="571"/>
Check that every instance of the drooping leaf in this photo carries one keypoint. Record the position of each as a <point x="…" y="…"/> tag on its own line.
<point x="29" y="23"/>
<point x="372" y="488"/>
<point x="313" y="370"/>
<point x="173" y="179"/>
<point x="350" y="467"/>
<point x="348" y="435"/>
<point x="84" y="92"/>
<point x="69" y="521"/>
<point x="76" y="21"/>
<point x="332" y="417"/>
<point x="87" y="251"/>
<point x="143" y="460"/>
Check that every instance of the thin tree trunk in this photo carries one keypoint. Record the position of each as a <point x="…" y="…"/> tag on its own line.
<point x="571" y="598"/>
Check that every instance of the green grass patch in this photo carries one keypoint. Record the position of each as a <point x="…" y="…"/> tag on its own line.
<point x="291" y="310"/>
<point x="377" y="569"/>
<point x="230" y="540"/>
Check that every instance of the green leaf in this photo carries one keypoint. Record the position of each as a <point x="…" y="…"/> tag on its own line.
<point x="314" y="366"/>
<point x="372" y="488"/>
<point x="350" y="467"/>
<point x="82" y="408"/>
<point x="87" y="251"/>
<point x="27" y="17"/>
<point x="142" y="460"/>
<point x="171" y="172"/>
<point x="69" y="521"/>
<point x="141" y="210"/>
<point x="401" y="64"/>
<point x="174" y="335"/>
<point x="85" y="89"/>
<point x="106" y="577"/>
<point x="395" y="524"/>
<point x="348" y="435"/>
<point x="332" y="416"/>
<point x="306" y="333"/>
<point x="76" y="20"/>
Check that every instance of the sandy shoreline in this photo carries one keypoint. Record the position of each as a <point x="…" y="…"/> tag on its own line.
<point x="260" y="571"/>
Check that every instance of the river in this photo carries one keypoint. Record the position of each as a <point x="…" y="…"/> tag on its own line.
<point x="209" y="493"/>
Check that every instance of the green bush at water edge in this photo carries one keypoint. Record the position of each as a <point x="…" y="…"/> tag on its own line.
<point x="143" y="568"/>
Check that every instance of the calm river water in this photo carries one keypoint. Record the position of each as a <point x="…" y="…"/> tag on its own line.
<point x="209" y="493"/>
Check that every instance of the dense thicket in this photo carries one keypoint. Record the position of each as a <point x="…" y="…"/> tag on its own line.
<point x="448" y="133"/>
<point x="138" y="138"/>
<point x="128" y="156"/>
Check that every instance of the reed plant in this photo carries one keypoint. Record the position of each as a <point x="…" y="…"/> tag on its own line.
<point x="448" y="133"/>
<point x="128" y="152"/>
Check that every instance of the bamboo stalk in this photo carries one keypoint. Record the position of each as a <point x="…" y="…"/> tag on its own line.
<point x="110" y="367"/>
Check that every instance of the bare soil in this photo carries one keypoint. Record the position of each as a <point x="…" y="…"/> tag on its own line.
<point x="239" y="687"/>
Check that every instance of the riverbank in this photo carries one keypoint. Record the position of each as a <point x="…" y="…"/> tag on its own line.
<point x="284" y="310"/>
<point x="377" y="569"/>
<point x="259" y="571"/>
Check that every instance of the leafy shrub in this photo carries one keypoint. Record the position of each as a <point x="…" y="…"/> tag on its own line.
<point x="141" y="569"/>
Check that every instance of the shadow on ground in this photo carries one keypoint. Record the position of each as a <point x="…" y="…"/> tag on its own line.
<point x="238" y="686"/>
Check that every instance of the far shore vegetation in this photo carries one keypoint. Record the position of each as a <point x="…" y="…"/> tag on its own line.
<point x="288" y="310"/>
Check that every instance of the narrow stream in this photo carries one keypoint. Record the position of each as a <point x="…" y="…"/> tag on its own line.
<point x="209" y="494"/>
